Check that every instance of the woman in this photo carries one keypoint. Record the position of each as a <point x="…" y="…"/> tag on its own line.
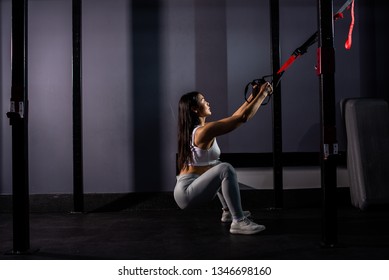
<point x="202" y="176"/>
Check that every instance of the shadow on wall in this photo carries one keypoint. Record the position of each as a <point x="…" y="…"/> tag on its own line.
<point x="146" y="63"/>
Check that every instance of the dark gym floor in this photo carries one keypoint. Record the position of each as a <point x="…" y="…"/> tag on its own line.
<point x="293" y="234"/>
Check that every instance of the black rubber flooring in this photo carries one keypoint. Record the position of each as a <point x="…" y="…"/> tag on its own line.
<point x="294" y="234"/>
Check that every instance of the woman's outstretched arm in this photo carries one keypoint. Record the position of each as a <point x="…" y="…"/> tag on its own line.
<point x="246" y="111"/>
<point x="255" y="100"/>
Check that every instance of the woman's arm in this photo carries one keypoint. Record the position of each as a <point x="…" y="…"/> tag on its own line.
<point x="249" y="109"/>
<point x="246" y="111"/>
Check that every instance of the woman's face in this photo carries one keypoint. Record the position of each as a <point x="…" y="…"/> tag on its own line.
<point x="203" y="110"/>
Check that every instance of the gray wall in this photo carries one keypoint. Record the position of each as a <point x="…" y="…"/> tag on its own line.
<point x="107" y="103"/>
<point x="137" y="61"/>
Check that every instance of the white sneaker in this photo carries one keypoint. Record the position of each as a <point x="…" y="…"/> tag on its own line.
<point x="227" y="217"/>
<point x="245" y="226"/>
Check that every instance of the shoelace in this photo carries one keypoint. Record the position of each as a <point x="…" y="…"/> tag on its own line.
<point x="245" y="220"/>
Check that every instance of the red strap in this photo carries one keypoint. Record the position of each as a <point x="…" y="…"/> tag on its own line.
<point x="287" y="63"/>
<point x="338" y="16"/>
<point x="348" y="43"/>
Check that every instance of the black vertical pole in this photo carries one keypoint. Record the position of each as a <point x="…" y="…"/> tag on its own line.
<point x="78" y="182"/>
<point x="277" y="113"/>
<point x="18" y="116"/>
<point x="329" y="146"/>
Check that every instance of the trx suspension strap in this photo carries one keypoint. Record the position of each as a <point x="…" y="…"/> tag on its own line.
<point x="349" y="4"/>
<point x="313" y="39"/>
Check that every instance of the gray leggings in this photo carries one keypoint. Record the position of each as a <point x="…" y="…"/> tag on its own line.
<point x="192" y="190"/>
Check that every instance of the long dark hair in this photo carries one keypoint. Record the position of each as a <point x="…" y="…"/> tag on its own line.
<point x="187" y="120"/>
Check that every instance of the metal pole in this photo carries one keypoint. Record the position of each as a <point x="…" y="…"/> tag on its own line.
<point x="276" y="105"/>
<point x="78" y="181"/>
<point x="329" y="146"/>
<point x="18" y="116"/>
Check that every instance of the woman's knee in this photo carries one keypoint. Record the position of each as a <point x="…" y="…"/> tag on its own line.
<point x="227" y="170"/>
<point x="181" y="201"/>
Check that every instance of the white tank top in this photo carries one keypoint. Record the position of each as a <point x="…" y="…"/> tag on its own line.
<point x="202" y="157"/>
